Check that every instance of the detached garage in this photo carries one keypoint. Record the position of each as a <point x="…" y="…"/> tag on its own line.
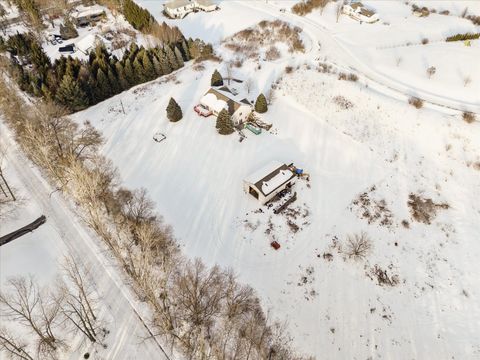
<point x="267" y="182"/>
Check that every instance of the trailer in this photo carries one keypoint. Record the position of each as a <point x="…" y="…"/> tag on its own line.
<point x="253" y="128"/>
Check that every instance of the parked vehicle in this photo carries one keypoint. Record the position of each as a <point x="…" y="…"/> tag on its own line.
<point x="67" y="49"/>
<point x="202" y="110"/>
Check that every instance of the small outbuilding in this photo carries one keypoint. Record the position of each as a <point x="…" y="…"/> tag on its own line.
<point x="85" y="16"/>
<point x="267" y="182"/>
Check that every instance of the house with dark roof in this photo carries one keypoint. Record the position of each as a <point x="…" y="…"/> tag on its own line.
<point x="266" y="183"/>
<point x="218" y="98"/>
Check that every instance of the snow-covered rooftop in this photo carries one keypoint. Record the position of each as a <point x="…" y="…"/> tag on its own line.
<point x="175" y="4"/>
<point x="270" y="177"/>
<point x="210" y="100"/>
<point x="84" y="11"/>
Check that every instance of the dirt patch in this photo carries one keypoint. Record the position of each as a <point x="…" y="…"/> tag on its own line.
<point x="423" y="209"/>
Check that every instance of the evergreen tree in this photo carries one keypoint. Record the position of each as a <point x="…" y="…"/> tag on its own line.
<point x="217" y="79"/>
<point x="172" y="59"/>
<point x="114" y="82"/>
<point x="224" y="123"/>
<point x="38" y="57"/>
<point x="67" y="30"/>
<point x="104" y="89"/>
<point x="261" y="104"/>
<point x="164" y="64"/>
<point x="138" y="72"/>
<point x="149" y="70"/>
<point x="174" y="112"/>
<point x="186" y="53"/>
<point x="156" y="65"/>
<point x="122" y="79"/>
<point x="71" y="95"/>
<point x="129" y="73"/>
<point x="179" y="57"/>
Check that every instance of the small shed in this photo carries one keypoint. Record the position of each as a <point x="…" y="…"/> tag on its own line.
<point x="268" y="181"/>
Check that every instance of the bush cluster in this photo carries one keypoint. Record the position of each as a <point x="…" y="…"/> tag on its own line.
<point x="463" y="37"/>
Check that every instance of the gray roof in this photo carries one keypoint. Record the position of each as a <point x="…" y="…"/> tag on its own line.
<point x="174" y="4"/>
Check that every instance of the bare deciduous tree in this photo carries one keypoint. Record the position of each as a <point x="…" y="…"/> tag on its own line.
<point x="25" y="304"/>
<point x="13" y="346"/>
<point x="248" y="85"/>
<point x="76" y="299"/>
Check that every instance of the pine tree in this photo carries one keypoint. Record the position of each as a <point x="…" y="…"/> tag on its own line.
<point x="164" y="64"/>
<point x="129" y="73"/>
<point x="174" y="112"/>
<point x="138" y="72"/>
<point x="185" y="51"/>
<point x="149" y="70"/>
<point x="122" y="79"/>
<point x="67" y="30"/>
<point x="217" y="79"/>
<point x="224" y="123"/>
<point x="71" y="95"/>
<point x="172" y="59"/>
<point x="114" y="82"/>
<point x="157" y="66"/>
<point x="261" y="104"/>
<point x="179" y="57"/>
<point x="103" y="85"/>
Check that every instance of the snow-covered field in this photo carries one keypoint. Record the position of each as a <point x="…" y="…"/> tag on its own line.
<point x="380" y="146"/>
<point x="376" y="165"/>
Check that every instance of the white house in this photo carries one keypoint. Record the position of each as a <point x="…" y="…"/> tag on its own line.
<point x="83" y="15"/>
<point x="217" y="99"/>
<point x="359" y="12"/>
<point x="178" y="9"/>
<point x="267" y="182"/>
<point x="91" y="41"/>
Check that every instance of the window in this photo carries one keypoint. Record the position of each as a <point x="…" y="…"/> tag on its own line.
<point x="253" y="192"/>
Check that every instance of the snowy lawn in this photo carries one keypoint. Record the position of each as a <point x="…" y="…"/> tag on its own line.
<point x="365" y="162"/>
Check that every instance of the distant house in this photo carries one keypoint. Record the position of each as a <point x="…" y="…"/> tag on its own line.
<point x="91" y="41"/>
<point x="217" y="99"/>
<point x="84" y="16"/>
<point x="267" y="182"/>
<point x="178" y="9"/>
<point x="358" y="11"/>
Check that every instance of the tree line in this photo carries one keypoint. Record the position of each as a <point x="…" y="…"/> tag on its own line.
<point x="203" y="312"/>
<point x="77" y="84"/>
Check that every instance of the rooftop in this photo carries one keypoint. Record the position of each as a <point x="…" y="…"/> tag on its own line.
<point x="270" y="177"/>
<point x="174" y="4"/>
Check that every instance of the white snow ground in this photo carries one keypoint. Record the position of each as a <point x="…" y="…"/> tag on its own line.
<point x="39" y="253"/>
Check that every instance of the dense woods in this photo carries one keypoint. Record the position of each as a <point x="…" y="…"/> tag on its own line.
<point x="78" y="84"/>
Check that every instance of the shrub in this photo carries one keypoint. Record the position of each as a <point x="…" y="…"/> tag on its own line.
<point x="272" y="54"/>
<point x="418" y="103"/>
<point x="463" y="37"/>
<point x="358" y="245"/>
<point x="424" y="41"/>
<point x="342" y="76"/>
<point x="174" y="112"/>
<point x="305" y="7"/>
<point x="288" y="69"/>
<point x="217" y="79"/>
<point x="445" y="12"/>
<point x="352" y="77"/>
<point x="468" y="117"/>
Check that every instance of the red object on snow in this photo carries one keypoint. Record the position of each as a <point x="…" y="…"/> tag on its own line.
<point x="275" y="245"/>
<point x="202" y="110"/>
